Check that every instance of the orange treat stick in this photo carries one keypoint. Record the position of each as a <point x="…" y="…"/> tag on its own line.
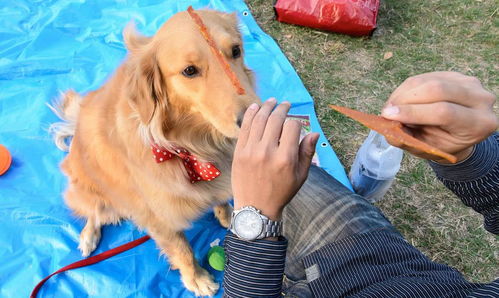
<point x="225" y="65"/>
<point x="392" y="130"/>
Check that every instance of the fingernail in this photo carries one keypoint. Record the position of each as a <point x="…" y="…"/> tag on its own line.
<point x="253" y="106"/>
<point x="390" y="111"/>
<point x="286" y="102"/>
<point x="272" y="99"/>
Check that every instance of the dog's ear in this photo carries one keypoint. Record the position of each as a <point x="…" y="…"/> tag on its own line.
<point x="146" y="85"/>
<point x="147" y="88"/>
<point x="134" y="41"/>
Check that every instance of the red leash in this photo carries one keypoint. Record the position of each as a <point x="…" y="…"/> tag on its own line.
<point x="92" y="260"/>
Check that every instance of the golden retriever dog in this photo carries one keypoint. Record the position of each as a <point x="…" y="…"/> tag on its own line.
<point x="170" y="92"/>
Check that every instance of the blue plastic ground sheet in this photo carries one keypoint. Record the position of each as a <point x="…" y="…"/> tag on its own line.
<point x="48" y="46"/>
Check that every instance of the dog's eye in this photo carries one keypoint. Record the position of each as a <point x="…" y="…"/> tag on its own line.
<point x="190" y="71"/>
<point x="236" y="51"/>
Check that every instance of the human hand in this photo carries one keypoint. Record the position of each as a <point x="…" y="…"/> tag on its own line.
<point x="447" y="110"/>
<point x="270" y="163"/>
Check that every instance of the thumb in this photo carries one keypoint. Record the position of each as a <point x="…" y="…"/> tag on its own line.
<point x="417" y="114"/>
<point x="307" y="151"/>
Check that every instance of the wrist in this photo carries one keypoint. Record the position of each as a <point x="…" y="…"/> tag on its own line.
<point x="250" y="223"/>
<point x="480" y="163"/>
<point x="273" y="213"/>
<point x="461" y="155"/>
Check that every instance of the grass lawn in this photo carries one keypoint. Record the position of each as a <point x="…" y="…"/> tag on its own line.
<point x="424" y="36"/>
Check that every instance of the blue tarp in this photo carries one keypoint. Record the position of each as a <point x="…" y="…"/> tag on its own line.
<point x="48" y="46"/>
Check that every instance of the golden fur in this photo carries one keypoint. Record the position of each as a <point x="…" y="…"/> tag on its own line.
<point x="111" y="170"/>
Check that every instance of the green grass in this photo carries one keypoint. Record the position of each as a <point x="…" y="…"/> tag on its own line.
<point x="424" y="36"/>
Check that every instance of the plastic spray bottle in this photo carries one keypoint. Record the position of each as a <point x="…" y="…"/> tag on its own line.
<point x="375" y="167"/>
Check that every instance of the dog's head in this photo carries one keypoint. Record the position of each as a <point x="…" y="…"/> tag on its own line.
<point x="177" y="82"/>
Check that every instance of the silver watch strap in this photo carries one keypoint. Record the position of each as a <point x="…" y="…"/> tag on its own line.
<point x="272" y="229"/>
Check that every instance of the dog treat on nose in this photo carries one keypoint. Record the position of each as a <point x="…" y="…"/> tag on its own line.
<point x="225" y="65"/>
<point x="392" y="130"/>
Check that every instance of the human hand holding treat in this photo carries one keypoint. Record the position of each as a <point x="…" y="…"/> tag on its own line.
<point x="445" y="110"/>
<point x="448" y="110"/>
<point x="394" y="132"/>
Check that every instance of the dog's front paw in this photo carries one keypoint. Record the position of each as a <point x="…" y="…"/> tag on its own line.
<point x="201" y="284"/>
<point x="223" y="214"/>
<point x="89" y="239"/>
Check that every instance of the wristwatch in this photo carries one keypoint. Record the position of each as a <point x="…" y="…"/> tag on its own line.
<point x="249" y="224"/>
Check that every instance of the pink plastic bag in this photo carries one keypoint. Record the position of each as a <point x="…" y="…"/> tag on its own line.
<point x="353" y="17"/>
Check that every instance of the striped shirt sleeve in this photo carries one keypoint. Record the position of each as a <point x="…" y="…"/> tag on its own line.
<point x="383" y="264"/>
<point x="253" y="268"/>
<point x="476" y="180"/>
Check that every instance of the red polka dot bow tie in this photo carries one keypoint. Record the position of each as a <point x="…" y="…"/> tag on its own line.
<point x="197" y="170"/>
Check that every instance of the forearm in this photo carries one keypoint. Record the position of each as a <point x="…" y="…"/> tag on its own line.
<point x="254" y="268"/>
<point x="476" y="180"/>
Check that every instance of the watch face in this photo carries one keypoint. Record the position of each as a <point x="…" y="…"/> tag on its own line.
<point x="248" y="224"/>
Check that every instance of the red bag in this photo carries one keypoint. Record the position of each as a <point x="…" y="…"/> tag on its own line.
<point x="353" y="17"/>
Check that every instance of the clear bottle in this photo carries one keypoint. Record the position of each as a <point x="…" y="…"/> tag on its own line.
<point x="375" y="167"/>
